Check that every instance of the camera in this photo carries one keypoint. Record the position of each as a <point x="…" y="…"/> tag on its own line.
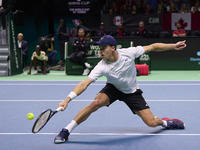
<point x="45" y="41"/>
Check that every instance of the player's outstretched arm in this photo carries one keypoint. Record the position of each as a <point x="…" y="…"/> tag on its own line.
<point x="163" y="47"/>
<point x="79" y="88"/>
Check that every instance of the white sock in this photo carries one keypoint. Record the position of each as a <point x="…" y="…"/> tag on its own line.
<point x="71" y="126"/>
<point x="164" y="123"/>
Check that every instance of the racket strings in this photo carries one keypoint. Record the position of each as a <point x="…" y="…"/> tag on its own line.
<point x="42" y="120"/>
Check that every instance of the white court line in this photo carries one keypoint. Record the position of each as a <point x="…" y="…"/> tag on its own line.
<point x="93" y="100"/>
<point x="110" y="134"/>
<point x="16" y="84"/>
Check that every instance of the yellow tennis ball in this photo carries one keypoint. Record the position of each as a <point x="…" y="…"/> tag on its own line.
<point x="30" y="116"/>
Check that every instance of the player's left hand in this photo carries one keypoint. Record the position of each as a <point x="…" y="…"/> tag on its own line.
<point x="180" y="45"/>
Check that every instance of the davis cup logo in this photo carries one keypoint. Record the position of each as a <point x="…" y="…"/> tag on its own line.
<point x="117" y="20"/>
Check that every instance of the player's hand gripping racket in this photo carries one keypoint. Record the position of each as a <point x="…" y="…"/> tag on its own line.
<point x="43" y="118"/>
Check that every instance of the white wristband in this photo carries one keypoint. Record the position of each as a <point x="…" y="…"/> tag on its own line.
<point x="72" y="95"/>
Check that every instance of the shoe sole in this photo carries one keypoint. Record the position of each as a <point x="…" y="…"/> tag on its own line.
<point x="60" y="141"/>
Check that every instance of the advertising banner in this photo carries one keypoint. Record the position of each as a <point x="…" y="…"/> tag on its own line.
<point x="153" y="22"/>
<point x="15" y="53"/>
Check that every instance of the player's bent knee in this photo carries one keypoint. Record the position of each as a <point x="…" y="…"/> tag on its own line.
<point x="94" y="105"/>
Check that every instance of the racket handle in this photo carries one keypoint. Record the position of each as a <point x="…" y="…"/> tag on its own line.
<point x="59" y="108"/>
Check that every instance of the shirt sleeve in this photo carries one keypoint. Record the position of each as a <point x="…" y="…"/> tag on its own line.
<point x="97" y="72"/>
<point x="44" y="57"/>
<point x="135" y="52"/>
<point x="33" y="55"/>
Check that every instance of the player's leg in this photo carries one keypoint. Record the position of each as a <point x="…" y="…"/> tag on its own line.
<point x="148" y="118"/>
<point x="153" y="121"/>
<point x="100" y="100"/>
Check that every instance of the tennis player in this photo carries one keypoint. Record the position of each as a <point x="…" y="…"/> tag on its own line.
<point x="119" y="68"/>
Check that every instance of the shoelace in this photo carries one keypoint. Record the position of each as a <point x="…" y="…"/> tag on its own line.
<point x="63" y="134"/>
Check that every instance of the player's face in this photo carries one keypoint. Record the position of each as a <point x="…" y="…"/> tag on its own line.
<point x="106" y="51"/>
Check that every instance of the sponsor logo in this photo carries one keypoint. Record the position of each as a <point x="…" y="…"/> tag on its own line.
<point x="154" y="20"/>
<point x="117" y="20"/>
<point x="196" y="59"/>
<point x="14" y="43"/>
<point x="96" y="49"/>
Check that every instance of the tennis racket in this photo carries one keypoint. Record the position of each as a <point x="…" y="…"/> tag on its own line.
<point x="43" y="118"/>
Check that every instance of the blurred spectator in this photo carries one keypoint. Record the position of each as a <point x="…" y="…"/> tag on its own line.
<point x="121" y="32"/>
<point x="186" y="2"/>
<point x="184" y="9"/>
<point x="82" y="25"/>
<point x="102" y="30"/>
<point x="63" y="36"/>
<point x="197" y="5"/>
<point x="129" y="4"/>
<point x="133" y="10"/>
<point x="124" y="10"/>
<point x="172" y="8"/>
<point x="115" y="8"/>
<point x="179" y="32"/>
<point x="110" y="12"/>
<point x="141" y="31"/>
<point x="23" y="45"/>
<point x="4" y="9"/>
<point x="177" y="4"/>
<point x="163" y="6"/>
<point x="148" y="9"/>
<point x="89" y="37"/>
<point x="160" y="9"/>
<point x="153" y="4"/>
<point x="80" y="47"/>
<point x="139" y="6"/>
<point x="195" y="10"/>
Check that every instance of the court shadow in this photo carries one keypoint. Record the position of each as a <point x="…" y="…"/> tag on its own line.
<point x="112" y="139"/>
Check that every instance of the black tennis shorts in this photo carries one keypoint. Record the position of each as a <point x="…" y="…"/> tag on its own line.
<point x="134" y="101"/>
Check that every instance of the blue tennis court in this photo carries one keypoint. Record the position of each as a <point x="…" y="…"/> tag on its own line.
<point x="110" y="128"/>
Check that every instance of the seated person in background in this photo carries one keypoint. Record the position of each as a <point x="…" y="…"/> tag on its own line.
<point x="124" y="10"/>
<point x="23" y="45"/>
<point x="80" y="46"/>
<point x="172" y="8"/>
<point x="139" y="6"/>
<point x="179" y="32"/>
<point x="148" y="9"/>
<point x="141" y="31"/>
<point x="89" y="37"/>
<point x="184" y="9"/>
<point x="41" y="56"/>
<point x="102" y="30"/>
<point x="133" y="10"/>
<point x="160" y="9"/>
<point x="121" y="32"/>
<point x="49" y="50"/>
<point x="195" y="10"/>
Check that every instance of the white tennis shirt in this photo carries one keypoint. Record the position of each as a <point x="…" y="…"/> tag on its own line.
<point x="122" y="72"/>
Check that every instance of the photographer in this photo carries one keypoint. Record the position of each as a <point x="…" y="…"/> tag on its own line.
<point x="44" y="43"/>
<point x="40" y="56"/>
